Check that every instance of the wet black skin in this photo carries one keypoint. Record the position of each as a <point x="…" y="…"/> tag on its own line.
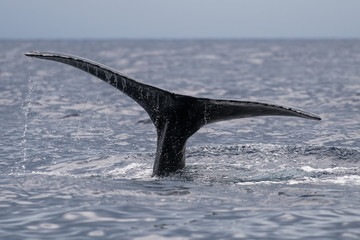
<point x="176" y="117"/>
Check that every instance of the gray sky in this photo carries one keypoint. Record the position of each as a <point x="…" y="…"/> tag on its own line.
<point x="23" y="19"/>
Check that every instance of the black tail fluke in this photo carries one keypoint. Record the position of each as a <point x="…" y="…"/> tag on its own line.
<point x="147" y="96"/>
<point x="219" y="110"/>
<point x="176" y="117"/>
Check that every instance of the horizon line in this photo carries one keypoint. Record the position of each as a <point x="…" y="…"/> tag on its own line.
<point x="174" y="38"/>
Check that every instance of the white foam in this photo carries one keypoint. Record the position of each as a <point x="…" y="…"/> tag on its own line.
<point x="351" y="180"/>
<point x="329" y="170"/>
<point x="341" y="180"/>
<point x="345" y="180"/>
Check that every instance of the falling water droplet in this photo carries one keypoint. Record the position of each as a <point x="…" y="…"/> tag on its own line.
<point x="26" y="104"/>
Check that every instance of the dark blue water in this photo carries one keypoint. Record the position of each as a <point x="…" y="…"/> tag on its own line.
<point x="76" y="155"/>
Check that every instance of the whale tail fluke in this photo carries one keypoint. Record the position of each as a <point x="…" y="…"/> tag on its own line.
<point x="175" y="116"/>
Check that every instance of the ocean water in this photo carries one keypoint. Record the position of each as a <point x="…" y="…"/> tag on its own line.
<point x="76" y="155"/>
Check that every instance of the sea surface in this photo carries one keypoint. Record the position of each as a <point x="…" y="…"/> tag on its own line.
<point x="76" y="154"/>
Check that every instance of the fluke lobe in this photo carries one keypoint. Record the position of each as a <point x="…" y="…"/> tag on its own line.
<point x="176" y="117"/>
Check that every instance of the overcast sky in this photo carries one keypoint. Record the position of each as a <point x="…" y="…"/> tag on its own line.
<point x="68" y="19"/>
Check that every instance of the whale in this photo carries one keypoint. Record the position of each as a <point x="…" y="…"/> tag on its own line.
<point x="176" y="117"/>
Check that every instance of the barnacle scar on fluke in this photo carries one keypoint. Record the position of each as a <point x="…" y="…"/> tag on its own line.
<point x="176" y="117"/>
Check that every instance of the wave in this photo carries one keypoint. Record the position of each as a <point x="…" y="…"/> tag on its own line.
<point x="230" y="164"/>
